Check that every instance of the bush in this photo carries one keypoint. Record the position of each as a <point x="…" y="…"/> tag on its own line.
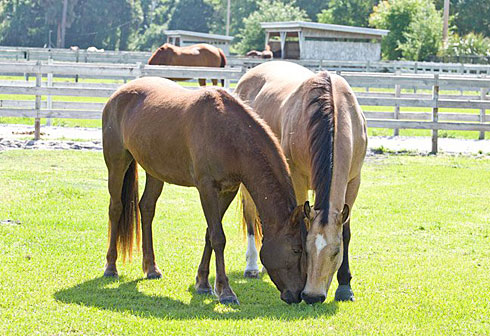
<point x="415" y="28"/>
<point x="470" y="45"/>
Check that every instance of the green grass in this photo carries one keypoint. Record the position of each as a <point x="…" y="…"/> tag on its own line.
<point x="419" y="256"/>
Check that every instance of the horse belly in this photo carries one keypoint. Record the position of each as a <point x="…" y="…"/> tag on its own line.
<point x="162" y="152"/>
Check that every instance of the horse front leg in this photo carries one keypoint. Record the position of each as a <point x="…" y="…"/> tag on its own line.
<point x="214" y="205"/>
<point x="202" y="81"/>
<point x="344" y="291"/>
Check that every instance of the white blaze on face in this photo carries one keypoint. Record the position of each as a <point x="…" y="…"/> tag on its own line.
<point x="320" y="243"/>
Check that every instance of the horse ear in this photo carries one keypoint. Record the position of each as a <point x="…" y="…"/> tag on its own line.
<point x="307" y="210"/>
<point x="345" y="214"/>
<point x="296" y="215"/>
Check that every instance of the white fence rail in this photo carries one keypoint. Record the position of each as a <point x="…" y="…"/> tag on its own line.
<point x="132" y="57"/>
<point x="406" y="101"/>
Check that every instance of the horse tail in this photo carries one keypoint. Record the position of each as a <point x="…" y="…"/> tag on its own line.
<point x="321" y="138"/>
<point x="129" y="222"/>
<point x="249" y="214"/>
<point x="223" y="63"/>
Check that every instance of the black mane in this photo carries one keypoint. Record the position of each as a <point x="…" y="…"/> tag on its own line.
<point x="321" y="136"/>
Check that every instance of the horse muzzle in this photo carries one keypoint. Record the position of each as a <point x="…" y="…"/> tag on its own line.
<point x="288" y="297"/>
<point x="313" y="298"/>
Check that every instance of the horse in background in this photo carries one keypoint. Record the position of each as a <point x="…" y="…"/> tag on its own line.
<point x="322" y="131"/>
<point x="266" y="54"/>
<point x="197" y="55"/>
<point x="210" y="140"/>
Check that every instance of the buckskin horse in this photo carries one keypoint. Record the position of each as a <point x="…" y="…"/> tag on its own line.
<point x="209" y="140"/>
<point x="198" y="55"/>
<point x="322" y="131"/>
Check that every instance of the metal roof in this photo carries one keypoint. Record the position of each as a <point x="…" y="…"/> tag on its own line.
<point x="197" y="34"/>
<point x="298" y="25"/>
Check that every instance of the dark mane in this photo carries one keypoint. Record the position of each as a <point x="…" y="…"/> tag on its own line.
<point x="321" y="137"/>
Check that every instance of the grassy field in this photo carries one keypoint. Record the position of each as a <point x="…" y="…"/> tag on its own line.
<point x="419" y="256"/>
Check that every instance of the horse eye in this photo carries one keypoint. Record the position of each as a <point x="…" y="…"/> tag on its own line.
<point x="297" y="250"/>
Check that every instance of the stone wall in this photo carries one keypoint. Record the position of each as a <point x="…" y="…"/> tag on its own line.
<point x="347" y="51"/>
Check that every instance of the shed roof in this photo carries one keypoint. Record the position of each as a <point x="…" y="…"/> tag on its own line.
<point x="299" y="25"/>
<point x="197" y="34"/>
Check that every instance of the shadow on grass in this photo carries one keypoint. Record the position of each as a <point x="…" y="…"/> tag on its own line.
<point x="257" y="297"/>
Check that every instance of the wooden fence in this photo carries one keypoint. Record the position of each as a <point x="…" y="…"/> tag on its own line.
<point x="406" y="101"/>
<point x="132" y="57"/>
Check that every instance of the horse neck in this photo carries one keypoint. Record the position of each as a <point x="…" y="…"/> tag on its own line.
<point x="270" y="186"/>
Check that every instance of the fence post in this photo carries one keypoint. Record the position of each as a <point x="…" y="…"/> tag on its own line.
<point x="435" y="112"/>
<point x="396" y="131"/>
<point x="49" y="101"/>
<point x="37" y="120"/>
<point x="483" y="96"/>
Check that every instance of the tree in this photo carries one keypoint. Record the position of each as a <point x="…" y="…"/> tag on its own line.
<point x="156" y="15"/>
<point x="469" y="15"/>
<point x="239" y="9"/>
<point x="313" y="7"/>
<point x="193" y="15"/>
<point x="348" y="12"/>
<point x="105" y="24"/>
<point x="253" y="36"/>
<point x="415" y="28"/>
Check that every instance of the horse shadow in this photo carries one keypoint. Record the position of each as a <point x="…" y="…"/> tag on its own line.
<point x="123" y="296"/>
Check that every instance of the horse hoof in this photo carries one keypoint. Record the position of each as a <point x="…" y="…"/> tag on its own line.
<point x="229" y="300"/>
<point x="154" y="275"/>
<point x="204" y="291"/>
<point x="252" y="274"/>
<point x="108" y="273"/>
<point x="344" y="293"/>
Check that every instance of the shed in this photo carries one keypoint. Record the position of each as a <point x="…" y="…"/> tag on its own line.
<point x="313" y="40"/>
<point x="182" y="38"/>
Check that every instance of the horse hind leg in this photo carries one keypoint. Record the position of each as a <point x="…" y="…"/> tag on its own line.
<point x="249" y="219"/>
<point x="344" y="291"/>
<point x="153" y="190"/>
<point x="215" y="82"/>
<point x="118" y="166"/>
<point x="202" y="81"/>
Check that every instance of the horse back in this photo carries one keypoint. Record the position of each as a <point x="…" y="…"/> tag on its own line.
<point x="179" y="135"/>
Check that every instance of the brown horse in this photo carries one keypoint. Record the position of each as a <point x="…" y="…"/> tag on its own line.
<point x="322" y="132"/>
<point x="199" y="55"/>
<point x="266" y="54"/>
<point x="210" y="140"/>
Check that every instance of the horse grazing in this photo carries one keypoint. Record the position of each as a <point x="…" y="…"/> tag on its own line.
<point x="198" y="55"/>
<point x="322" y="132"/>
<point x="209" y="140"/>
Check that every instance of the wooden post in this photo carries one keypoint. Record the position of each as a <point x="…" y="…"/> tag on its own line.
<point x="37" y="120"/>
<point x="435" y="112"/>
<point x="396" y="131"/>
<point x="283" y="44"/>
<point x="49" y="98"/>
<point x="483" y="96"/>
<point x="141" y="68"/>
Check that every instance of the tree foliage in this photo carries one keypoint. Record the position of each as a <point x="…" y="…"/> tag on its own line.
<point x="348" y="12"/>
<point x="415" y="28"/>
<point x="469" y="15"/>
<point x="470" y="45"/>
<point x="253" y="36"/>
<point x="193" y="15"/>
